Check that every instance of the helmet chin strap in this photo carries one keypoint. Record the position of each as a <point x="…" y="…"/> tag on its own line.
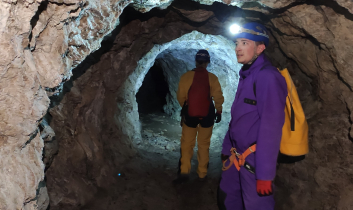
<point x="255" y="55"/>
<point x="253" y="59"/>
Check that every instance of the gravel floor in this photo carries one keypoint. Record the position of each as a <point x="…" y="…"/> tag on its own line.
<point x="146" y="181"/>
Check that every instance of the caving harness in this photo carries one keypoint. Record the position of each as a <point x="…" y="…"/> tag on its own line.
<point x="241" y="162"/>
<point x="239" y="159"/>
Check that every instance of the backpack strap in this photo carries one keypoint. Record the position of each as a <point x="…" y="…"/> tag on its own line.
<point x="292" y="115"/>
<point x="254" y="88"/>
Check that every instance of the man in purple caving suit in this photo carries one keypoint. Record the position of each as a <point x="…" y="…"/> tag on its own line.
<point x="257" y="120"/>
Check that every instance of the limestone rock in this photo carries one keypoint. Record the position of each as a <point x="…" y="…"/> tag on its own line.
<point x="43" y="199"/>
<point x="347" y="4"/>
<point x="196" y="16"/>
<point x="50" y="143"/>
<point x="22" y="165"/>
<point x="147" y="5"/>
<point x="47" y="134"/>
<point x="330" y="29"/>
<point x="35" y="35"/>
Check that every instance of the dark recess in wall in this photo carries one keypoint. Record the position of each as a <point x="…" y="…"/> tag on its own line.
<point x="151" y="96"/>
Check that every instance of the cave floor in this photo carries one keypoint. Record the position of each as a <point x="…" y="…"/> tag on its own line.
<point x="146" y="182"/>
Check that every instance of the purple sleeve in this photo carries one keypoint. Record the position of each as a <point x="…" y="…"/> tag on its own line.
<point x="271" y="93"/>
<point x="226" y="146"/>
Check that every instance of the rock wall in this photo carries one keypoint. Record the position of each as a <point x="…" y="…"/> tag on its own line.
<point x="316" y="38"/>
<point x="43" y="41"/>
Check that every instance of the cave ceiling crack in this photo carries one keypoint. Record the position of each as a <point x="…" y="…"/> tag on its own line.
<point x="40" y="185"/>
<point x="46" y="25"/>
<point x="280" y="11"/>
<point x="8" y="65"/>
<point x="333" y="5"/>
<point x="274" y="13"/>
<point x="290" y="22"/>
<point x="31" y="137"/>
<point x="306" y="35"/>
<point x="189" y="20"/>
<point x="326" y="19"/>
<point x="350" y="121"/>
<point x="65" y="4"/>
<point x="290" y="58"/>
<point x="80" y="6"/>
<point x="338" y="74"/>
<point x="33" y="22"/>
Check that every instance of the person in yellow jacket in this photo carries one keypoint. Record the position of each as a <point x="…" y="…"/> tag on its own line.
<point x="196" y="92"/>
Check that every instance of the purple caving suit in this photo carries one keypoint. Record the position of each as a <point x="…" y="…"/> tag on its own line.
<point x="261" y="124"/>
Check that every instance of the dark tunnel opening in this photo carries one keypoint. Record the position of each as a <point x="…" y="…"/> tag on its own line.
<point x="159" y="131"/>
<point x="151" y="96"/>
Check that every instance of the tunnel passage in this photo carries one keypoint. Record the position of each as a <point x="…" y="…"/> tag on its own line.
<point x="151" y="96"/>
<point x="98" y="119"/>
<point x="158" y="129"/>
<point x="176" y="58"/>
<point x="160" y="132"/>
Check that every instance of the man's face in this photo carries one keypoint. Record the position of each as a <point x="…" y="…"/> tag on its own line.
<point x="246" y="49"/>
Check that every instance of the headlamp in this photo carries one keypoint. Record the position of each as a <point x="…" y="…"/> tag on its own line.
<point x="235" y="29"/>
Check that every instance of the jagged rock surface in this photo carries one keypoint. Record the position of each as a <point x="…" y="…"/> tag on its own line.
<point x="38" y="54"/>
<point x="43" y="40"/>
<point x="313" y="37"/>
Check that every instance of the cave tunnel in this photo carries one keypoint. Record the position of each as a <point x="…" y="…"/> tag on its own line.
<point x="152" y="94"/>
<point x="89" y="113"/>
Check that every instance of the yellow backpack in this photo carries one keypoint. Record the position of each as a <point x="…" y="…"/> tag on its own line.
<point x="294" y="142"/>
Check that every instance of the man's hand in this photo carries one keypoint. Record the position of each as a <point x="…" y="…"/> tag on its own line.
<point x="218" y="117"/>
<point x="263" y="187"/>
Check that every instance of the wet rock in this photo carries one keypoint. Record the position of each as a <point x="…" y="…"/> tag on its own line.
<point x="148" y="134"/>
<point x="170" y="147"/>
<point x="51" y="146"/>
<point x="43" y="199"/>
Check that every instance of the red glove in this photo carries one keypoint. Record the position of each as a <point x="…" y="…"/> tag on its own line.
<point x="264" y="187"/>
<point x="224" y="158"/>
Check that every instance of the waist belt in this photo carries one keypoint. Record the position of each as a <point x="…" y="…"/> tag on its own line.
<point x="239" y="159"/>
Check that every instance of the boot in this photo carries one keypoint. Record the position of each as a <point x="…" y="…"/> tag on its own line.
<point x="204" y="179"/>
<point x="182" y="178"/>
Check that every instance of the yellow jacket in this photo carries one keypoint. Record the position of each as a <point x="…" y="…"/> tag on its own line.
<point x="215" y="89"/>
